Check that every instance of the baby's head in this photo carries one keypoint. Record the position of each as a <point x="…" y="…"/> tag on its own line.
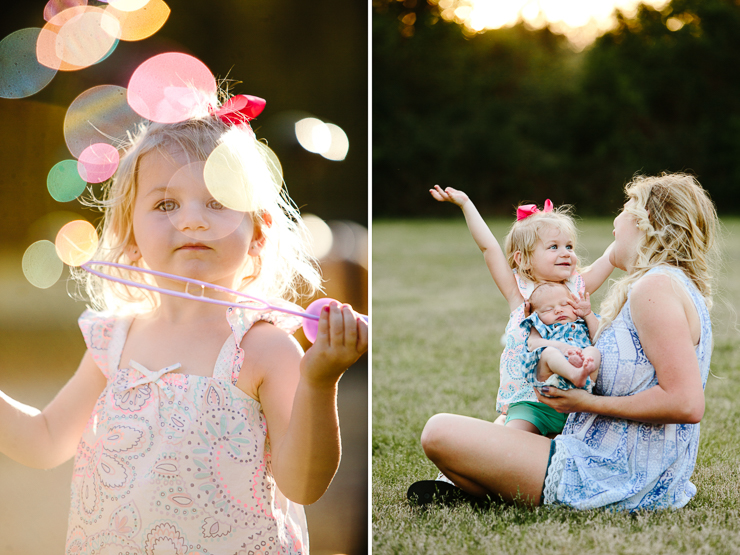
<point x="541" y="247"/>
<point x="164" y="172"/>
<point x="550" y="301"/>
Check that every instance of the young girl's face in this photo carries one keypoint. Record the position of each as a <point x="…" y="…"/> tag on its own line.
<point x="553" y="306"/>
<point x="553" y="258"/>
<point x="179" y="228"/>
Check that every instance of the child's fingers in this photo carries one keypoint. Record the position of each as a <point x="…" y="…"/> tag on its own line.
<point x="336" y="325"/>
<point x="350" y="326"/>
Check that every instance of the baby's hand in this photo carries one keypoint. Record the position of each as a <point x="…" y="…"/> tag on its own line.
<point x="581" y="305"/>
<point x="449" y="195"/>
<point x="341" y="339"/>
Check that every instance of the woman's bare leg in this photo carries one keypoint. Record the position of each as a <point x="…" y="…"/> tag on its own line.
<point x="483" y="458"/>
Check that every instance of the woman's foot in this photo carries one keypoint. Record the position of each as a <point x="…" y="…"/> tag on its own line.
<point x="425" y="492"/>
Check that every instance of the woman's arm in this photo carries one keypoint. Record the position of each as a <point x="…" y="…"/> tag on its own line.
<point x="598" y="272"/>
<point x="299" y="398"/>
<point x="492" y="253"/>
<point x="660" y="315"/>
<point x="47" y="438"/>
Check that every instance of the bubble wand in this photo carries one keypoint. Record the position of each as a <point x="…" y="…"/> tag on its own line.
<point x="310" y="315"/>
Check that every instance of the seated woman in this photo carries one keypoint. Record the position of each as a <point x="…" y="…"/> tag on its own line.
<point x="632" y="444"/>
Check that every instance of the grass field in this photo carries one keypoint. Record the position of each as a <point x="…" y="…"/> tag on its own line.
<point x="437" y="323"/>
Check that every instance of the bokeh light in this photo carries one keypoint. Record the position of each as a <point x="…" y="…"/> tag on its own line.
<point x="191" y="218"/>
<point x="243" y="174"/>
<point x="64" y="182"/>
<point x="98" y="162"/>
<point x="321" y="238"/>
<point x="41" y="265"/>
<point x="171" y="87"/>
<point x="313" y="135"/>
<point x="141" y="23"/>
<point x="76" y="242"/>
<point x="338" y="145"/>
<point x="54" y="7"/>
<point x="21" y="74"/>
<point x="129" y="5"/>
<point x="99" y="115"/>
<point x="326" y="139"/>
<point x="77" y="38"/>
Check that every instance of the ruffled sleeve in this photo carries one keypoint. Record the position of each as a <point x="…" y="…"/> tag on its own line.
<point x="97" y="330"/>
<point x="242" y="319"/>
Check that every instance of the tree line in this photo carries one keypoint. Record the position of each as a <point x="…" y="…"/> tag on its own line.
<point x="515" y="115"/>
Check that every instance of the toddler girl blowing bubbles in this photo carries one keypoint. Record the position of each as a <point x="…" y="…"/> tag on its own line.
<point x="195" y="428"/>
<point x="539" y="249"/>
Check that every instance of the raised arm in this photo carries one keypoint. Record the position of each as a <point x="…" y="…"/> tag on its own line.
<point x="598" y="272"/>
<point x="299" y="398"/>
<point x="47" y="438"/>
<point x="666" y="323"/>
<point x="492" y="253"/>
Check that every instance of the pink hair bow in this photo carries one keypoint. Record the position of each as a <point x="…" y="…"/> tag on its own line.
<point x="240" y="109"/>
<point x="526" y="210"/>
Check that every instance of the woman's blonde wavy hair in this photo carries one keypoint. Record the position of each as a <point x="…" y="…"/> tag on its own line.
<point x="681" y="230"/>
<point x="524" y="234"/>
<point x="284" y="268"/>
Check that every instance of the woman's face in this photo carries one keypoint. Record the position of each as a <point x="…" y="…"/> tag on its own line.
<point x="626" y="238"/>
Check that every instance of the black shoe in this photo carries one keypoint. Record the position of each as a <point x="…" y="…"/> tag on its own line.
<point x="431" y="491"/>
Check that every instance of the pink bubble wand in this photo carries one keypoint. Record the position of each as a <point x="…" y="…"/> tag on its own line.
<point x="310" y="315"/>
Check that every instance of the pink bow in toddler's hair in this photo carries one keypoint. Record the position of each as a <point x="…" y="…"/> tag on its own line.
<point x="526" y="210"/>
<point x="240" y="109"/>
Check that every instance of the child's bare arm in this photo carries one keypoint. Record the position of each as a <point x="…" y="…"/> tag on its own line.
<point x="487" y="243"/>
<point x="598" y="272"/>
<point x="47" y="438"/>
<point x="299" y="399"/>
<point x="582" y="308"/>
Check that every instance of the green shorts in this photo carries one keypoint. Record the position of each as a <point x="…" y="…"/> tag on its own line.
<point x="546" y="419"/>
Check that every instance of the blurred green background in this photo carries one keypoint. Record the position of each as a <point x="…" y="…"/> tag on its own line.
<point x="305" y="59"/>
<point x="519" y="114"/>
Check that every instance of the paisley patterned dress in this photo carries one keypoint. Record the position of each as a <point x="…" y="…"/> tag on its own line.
<point x="601" y="461"/>
<point x="176" y="463"/>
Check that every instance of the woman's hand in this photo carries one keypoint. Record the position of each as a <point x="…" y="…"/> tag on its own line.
<point x="449" y="195"/>
<point x="573" y="400"/>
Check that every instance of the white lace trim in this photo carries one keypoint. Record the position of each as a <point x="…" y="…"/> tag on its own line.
<point x="554" y="475"/>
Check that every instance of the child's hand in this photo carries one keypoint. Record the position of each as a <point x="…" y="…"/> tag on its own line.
<point x="449" y="195"/>
<point x="581" y="304"/>
<point x="341" y="339"/>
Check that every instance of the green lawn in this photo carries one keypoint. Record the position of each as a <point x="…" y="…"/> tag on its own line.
<point x="437" y="324"/>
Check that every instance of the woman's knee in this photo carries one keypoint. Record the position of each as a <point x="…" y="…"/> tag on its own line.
<point x="435" y="434"/>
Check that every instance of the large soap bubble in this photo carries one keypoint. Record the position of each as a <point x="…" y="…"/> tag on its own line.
<point x="171" y="87"/>
<point x="21" y="74"/>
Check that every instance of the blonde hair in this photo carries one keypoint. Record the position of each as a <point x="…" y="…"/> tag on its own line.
<point x="524" y="234"/>
<point x="283" y="269"/>
<point x="681" y="230"/>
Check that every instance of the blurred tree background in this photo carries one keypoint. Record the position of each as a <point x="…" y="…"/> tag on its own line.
<point x="515" y="114"/>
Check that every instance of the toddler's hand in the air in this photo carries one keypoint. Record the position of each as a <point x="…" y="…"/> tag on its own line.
<point x="449" y="195"/>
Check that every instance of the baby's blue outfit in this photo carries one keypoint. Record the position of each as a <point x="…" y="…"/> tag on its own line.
<point x="572" y="333"/>
<point x="601" y="461"/>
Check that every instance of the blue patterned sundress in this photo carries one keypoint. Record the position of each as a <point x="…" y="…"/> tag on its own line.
<point x="601" y="461"/>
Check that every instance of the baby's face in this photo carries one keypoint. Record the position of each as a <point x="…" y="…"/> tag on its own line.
<point x="553" y="306"/>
